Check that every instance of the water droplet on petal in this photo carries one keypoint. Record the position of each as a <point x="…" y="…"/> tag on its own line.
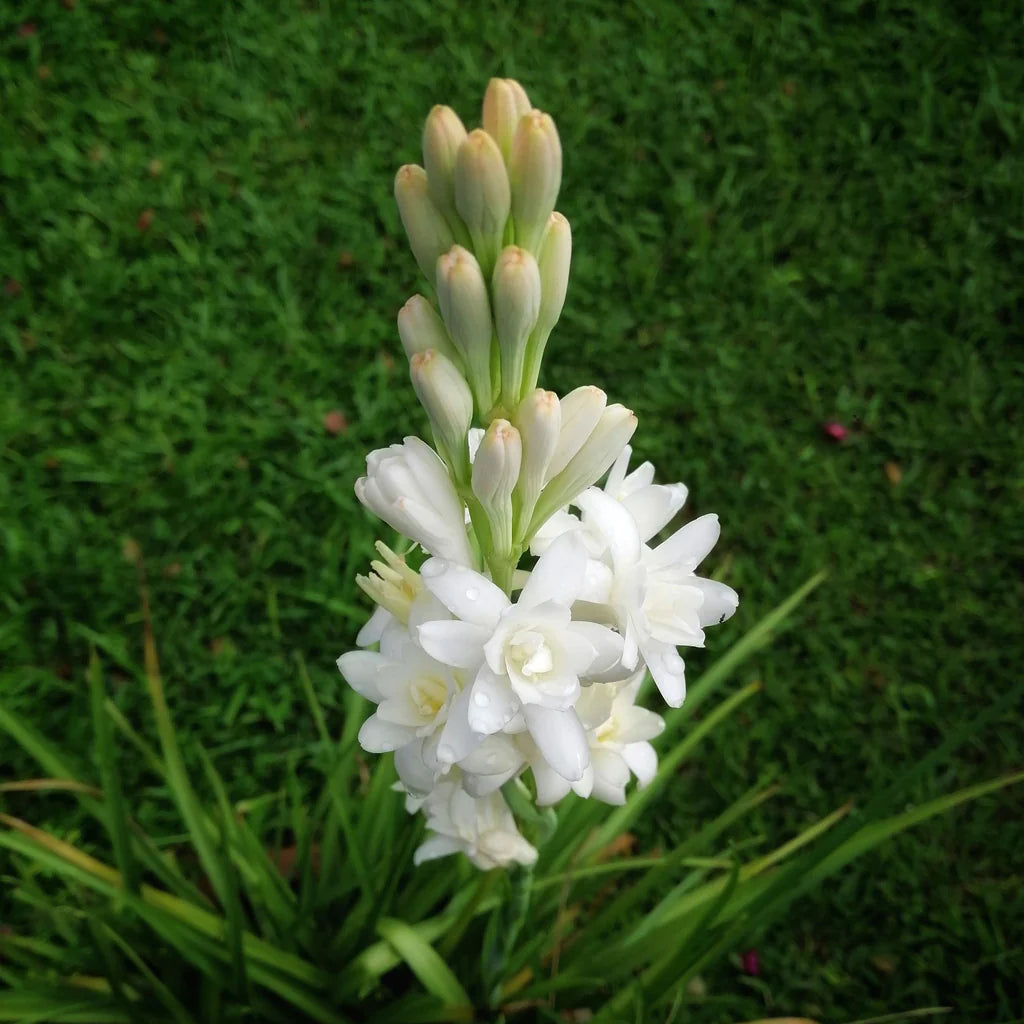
<point x="433" y="567"/>
<point x="472" y="593"/>
<point x="481" y="700"/>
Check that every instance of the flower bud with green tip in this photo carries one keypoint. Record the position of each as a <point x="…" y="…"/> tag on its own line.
<point x="539" y="419"/>
<point x="482" y="195"/>
<point x="505" y="102"/>
<point x="443" y="134"/>
<point x="428" y="232"/>
<point x="445" y="396"/>
<point x="581" y="411"/>
<point x="466" y="309"/>
<point x="535" y="174"/>
<point x="495" y="472"/>
<point x="587" y="466"/>
<point x="421" y="328"/>
<point x="553" y="261"/>
<point x="516" y="288"/>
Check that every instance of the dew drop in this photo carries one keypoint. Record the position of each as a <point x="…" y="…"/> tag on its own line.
<point x="433" y="567"/>
<point x="481" y="700"/>
<point x="472" y="593"/>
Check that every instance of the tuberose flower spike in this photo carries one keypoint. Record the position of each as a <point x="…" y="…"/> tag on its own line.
<point x="489" y="668"/>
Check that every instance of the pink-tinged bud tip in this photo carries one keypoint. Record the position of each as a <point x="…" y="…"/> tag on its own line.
<point x="836" y="431"/>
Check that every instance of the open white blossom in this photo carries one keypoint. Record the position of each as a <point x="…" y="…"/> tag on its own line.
<point x="527" y="657"/>
<point x="482" y="828"/>
<point x="658" y="600"/>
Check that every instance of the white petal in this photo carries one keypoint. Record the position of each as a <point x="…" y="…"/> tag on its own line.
<point x="551" y="787"/>
<point x="634" y="725"/>
<point x="688" y="546"/>
<point x="559" y="523"/>
<point x="360" y="671"/>
<point x="379" y="737"/>
<point x="667" y="670"/>
<point x="497" y="755"/>
<point x="615" y="523"/>
<point x="457" y="739"/>
<point x="560" y="739"/>
<point x="459" y="644"/>
<point x="617" y="474"/>
<point x="653" y="507"/>
<point x="642" y="761"/>
<point x="585" y="787"/>
<point x="559" y="573"/>
<point x="416" y="775"/>
<point x="374" y="628"/>
<point x="484" y="785"/>
<point x="436" y="846"/>
<point x="492" y="704"/>
<point x="720" y="601"/>
<point x="607" y="645"/>
<point x="610" y="776"/>
<point x="468" y="595"/>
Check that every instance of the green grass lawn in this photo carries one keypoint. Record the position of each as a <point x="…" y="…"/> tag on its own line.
<point x="783" y="216"/>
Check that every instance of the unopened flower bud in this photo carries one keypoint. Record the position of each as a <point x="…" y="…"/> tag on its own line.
<point x="428" y="232"/>
<point x="535" y="174"/>
<point x="482" y="195"/>
<point x="495" y="472"/>
<point x="445" y="396"/>
<point x="539" y="418"/>
<point x="516" y="288"/>
<point x="466" y="309"/>
<point x="421" y="328"/>
<point x="581" y="410"/>
<point x="443" y="133"/>
<point x="588" y="465"/>
<point x="553" y="262"/>
<point x="505" y="102"/>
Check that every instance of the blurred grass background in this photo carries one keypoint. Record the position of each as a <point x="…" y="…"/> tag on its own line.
<point x="784" y="215"/>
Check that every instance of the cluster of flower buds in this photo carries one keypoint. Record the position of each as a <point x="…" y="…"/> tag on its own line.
<point x="512" y="637"/>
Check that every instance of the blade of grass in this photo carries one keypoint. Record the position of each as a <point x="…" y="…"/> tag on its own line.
<point x="233" y="913"/>
<point x="423" y="960"/>
<point x="114" y="806"/>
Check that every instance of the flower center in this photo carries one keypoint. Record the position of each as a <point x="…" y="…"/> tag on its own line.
<point x="428" y="695"/>
<point x="528" y="650"/>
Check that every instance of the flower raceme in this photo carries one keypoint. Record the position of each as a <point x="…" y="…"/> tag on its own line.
<point x="514" y="634"/>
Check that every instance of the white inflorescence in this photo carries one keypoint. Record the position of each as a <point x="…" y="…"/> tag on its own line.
<point x="519" y="645"/>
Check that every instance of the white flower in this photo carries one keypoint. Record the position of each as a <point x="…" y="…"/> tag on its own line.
<point x="617" y="733"/>
<point x="651" y="505"/>
<point x="408" y="486"/>
<point x="658" y="601"/>
<point x="527" y="657"/>
<point x="483" y="829"/>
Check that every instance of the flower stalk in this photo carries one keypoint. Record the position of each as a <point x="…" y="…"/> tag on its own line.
<point x="513" y="655"/>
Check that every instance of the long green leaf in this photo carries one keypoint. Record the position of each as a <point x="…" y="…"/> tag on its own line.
<point x="116" y="816"/>
<point x="423" y="960"/>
